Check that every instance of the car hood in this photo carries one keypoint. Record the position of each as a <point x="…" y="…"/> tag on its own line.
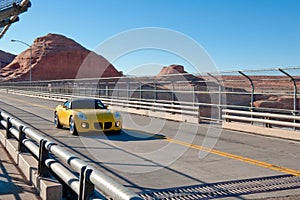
<point x="101" y="113"/>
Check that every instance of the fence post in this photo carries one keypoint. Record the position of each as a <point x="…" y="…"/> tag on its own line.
<point x="43" y="155"/>
<point x="219" y="97"/>
<point x="295" y="103"/>
<point x="86" y="188"/>
<point x="252" y="90"/>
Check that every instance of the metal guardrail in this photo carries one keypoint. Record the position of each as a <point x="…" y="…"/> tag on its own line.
<point x="267" y="119"/>
<point x="198" y="95"/>
<point x="75" y="173"/>
<point x="183" y="108"/>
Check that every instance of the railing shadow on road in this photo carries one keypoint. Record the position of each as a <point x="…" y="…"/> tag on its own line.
<point x="7" y="186"/>
<point x="234" y="188"/>
<point x="12" y="184"/>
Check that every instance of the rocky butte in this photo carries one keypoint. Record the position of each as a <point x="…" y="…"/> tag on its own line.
<point x="172" y="69"/>
<point x="57" y="57"/>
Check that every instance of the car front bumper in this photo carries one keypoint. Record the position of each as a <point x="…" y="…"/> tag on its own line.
<point x="86" y="126"/>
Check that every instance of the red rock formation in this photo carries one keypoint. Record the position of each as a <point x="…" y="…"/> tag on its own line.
<point x="58" y="57"/>
<point x="283" y="102"/>
<point x="172" y="69"/>
<point x="177" y="73"/>
<point x="5" y="58"/>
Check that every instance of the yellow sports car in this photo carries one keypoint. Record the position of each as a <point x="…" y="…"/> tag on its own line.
<point x="84" y="115"/>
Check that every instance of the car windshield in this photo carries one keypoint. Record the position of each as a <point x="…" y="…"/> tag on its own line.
<point x="87" y="104"/>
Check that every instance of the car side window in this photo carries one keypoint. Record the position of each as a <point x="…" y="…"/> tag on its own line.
<point x="99" y="105"/>
<point x="67" y="104"/>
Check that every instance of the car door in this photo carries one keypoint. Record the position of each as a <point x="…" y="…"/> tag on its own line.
<point x="64" y="113"/>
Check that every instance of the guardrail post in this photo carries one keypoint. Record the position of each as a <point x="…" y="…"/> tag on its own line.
<point x="0" y="119"/>
<point x="173" y="95"/>
<point x="43" y="170"/>
<point x="268" y="125"/>
<point x="140" y="93"/>
<point x="8" y="126"/>
<point x="155" y="91"/>
<point x="86" y="188"/>
<point x="106" y="90"/>
<point x="21" y="147"/>
<point x="227" y="114"/>
<point x="128" y="90"/>
<point x="195" y="99"/>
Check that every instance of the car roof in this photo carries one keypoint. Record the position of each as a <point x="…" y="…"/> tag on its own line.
<point x="82" y="99"/>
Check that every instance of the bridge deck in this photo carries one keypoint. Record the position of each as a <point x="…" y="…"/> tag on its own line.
<point x="232" y="164"/>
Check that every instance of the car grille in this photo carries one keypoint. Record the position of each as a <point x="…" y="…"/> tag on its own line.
<point x="99" y="125"/>
<point x="107" y="125"/>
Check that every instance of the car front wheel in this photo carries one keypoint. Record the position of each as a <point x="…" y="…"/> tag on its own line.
<point x="56" y="121"/>
<point x="73" y="129"/>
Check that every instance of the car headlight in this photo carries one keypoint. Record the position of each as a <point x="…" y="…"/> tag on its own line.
<point x="117" y="123"/>
<point x="81" y="116"/>
<point x="117" y="115"/>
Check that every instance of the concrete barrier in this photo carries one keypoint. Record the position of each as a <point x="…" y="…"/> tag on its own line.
<point x="260" y="130"/>
<point x="48" y="188"/>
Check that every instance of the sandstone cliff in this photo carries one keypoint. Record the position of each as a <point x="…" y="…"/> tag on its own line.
<point x="279" y="102"/>
<point x="57" y="57"/>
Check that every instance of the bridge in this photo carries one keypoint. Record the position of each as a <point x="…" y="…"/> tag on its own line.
<point x="169" y="148"/>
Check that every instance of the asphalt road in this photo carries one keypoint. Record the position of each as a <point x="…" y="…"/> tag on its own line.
<point x="160" y="156"/>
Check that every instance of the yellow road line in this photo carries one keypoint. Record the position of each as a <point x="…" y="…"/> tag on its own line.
<point x="201" y="148"/>
<point x="26" y="102"/>
<point x="237" y="157"/>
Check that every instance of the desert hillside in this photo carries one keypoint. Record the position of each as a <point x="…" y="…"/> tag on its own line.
<point x="57" y="57"/>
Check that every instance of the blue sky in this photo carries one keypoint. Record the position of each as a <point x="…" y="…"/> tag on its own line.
<point x="237" y="34"/>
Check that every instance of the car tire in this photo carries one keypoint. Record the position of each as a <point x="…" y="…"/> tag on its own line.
<point x="73" y="129"/>
<point x="56" y="121"/>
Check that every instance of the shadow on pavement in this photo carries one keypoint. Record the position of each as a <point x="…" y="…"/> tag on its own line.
<point x="124" y="136"/>
<point x="13" y="185"/>
<point x="235" y="188"/>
